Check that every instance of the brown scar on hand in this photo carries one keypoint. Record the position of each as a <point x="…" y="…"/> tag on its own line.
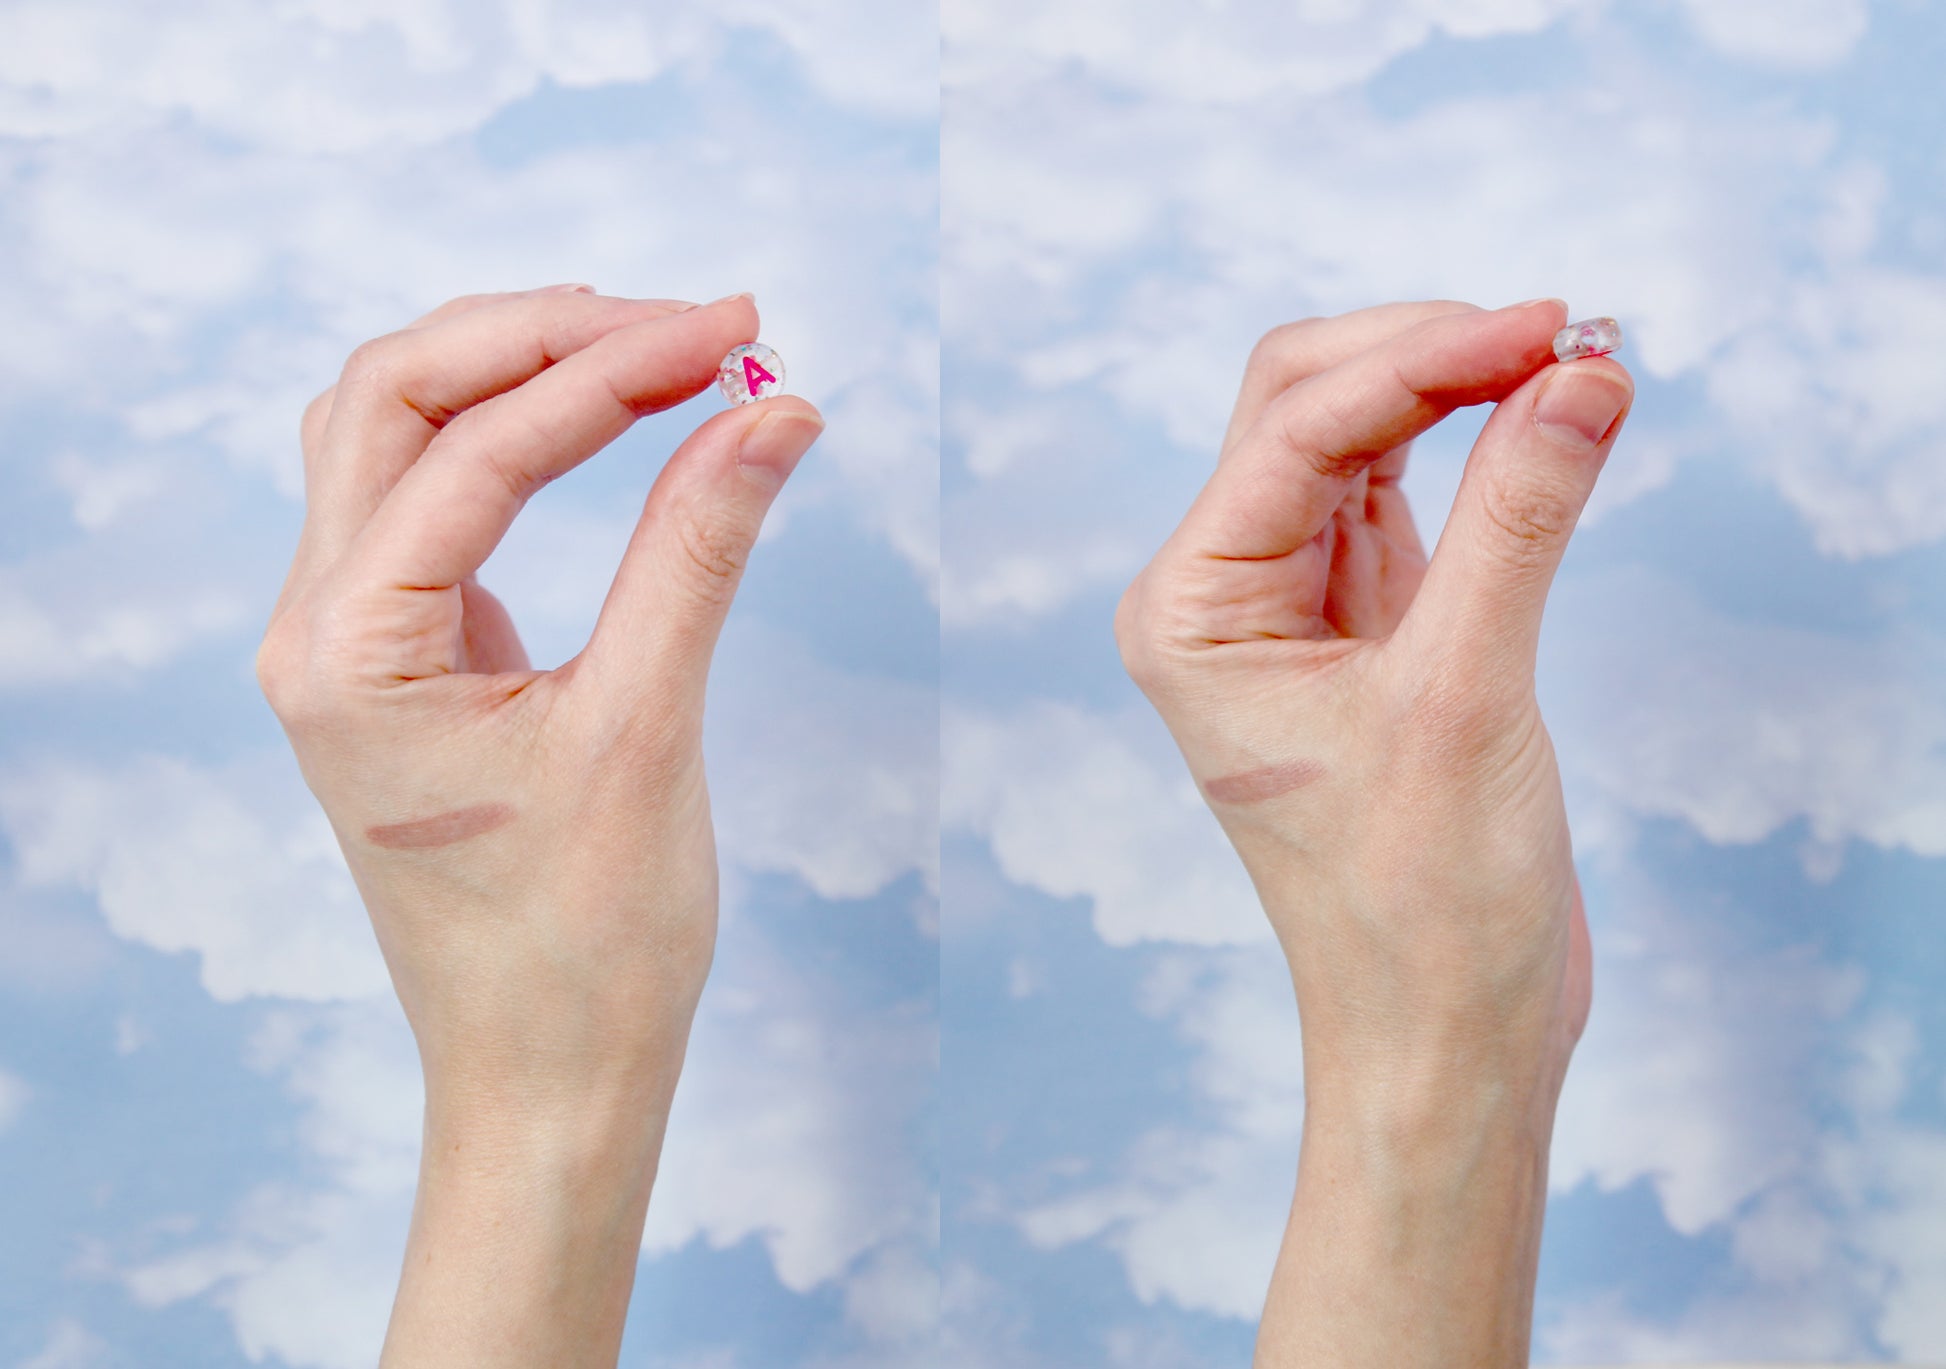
<point x="442" y="829"/>
<point x="1252" y="786"/>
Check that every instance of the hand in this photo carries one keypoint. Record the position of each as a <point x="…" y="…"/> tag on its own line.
<point x="1364" y="725"/>
<point x="534" y="847"/>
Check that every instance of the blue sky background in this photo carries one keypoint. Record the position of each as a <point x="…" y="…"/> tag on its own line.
<point x="1742" y="668"/>
<point x="208" y="1099"/>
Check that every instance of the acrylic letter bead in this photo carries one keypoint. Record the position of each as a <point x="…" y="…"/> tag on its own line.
<point x="1589" y="338"/>
<point x="750" y="372"/>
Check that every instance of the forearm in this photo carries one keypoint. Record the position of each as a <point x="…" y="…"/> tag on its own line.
<point x="525" y="1234"/>
<point x="1415" y="1233"/>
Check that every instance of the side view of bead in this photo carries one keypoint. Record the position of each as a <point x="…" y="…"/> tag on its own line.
<point x="1592" y="337"/>
<point x="749" y="373"/>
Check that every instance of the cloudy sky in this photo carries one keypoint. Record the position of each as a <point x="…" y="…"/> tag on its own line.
<point x="1743" y="667"/>
<point x="208" y="1098"/>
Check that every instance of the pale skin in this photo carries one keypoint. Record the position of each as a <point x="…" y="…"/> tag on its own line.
<point x="1362" y="721"/>
<point x="534" y="847"/>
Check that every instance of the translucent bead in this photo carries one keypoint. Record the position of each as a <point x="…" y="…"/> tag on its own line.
<point x="750" y="372"/>
<point x="1591" y="337"/>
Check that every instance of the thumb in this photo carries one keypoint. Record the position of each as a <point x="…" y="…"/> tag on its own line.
<point x="659" y="624"/>
<point x="1526" y="482"/>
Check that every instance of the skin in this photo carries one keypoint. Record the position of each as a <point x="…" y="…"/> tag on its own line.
<point x="1364" y="726"/>
<point x="534" y="847"/>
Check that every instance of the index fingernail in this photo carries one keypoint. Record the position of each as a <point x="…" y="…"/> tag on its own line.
<point x="563" y="289"/>
<point x="1544" y="299"/>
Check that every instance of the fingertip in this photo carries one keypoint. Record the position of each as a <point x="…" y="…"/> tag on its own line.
<point x="772" y="446"/>
<point x="1579" y="407"/>
<point x="791" y="404"/>
<point x="1606" y="364"/>
<point x="736" y="315"/>
<point x="731" y="423"/>
<point x="1551" y="303"/>
<point x="739" y="305"/>
<point x="1477" y="356"/>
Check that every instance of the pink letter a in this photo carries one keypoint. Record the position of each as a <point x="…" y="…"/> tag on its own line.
<point x="753" y="371"/>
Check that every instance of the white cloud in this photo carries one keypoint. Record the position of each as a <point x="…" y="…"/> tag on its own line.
<point x="1126" y="212"/>
<point x="794" y="1124"/>
<point x="213" y="203"/>
<point x="124" y="252"/>
<point x="1079" y="805"/>
<point x="234" y="864"/>
<point x="312" y="78"/>
<point x="14" y="1094"/>
<point x="1851" y="1241"/>
<point x="131" y="1035"/>
<point x="1237" y="54"/>
<point x="1666" y="707"/>
<point x="1838" y="395"/>
<point x="70" y="1345"/>
<point x="104" y="491"/>
<point x="1245" y="227"/>
<point x="306" y="1270"/>
<point x="829" y="775"/>
<point x="1702" y="1071"/>
<point x="1903" y="1230"/>
<point x="157" y="248"/>
<point x="895" y="1297"/>
<point x="1782" y="33"/>
<point x="1196" y="1211"/>
<point x="307" y="1275"/>
<point x="1111" y="239"/>
<point x="980" y="1328"/>
<point x="1692" y="1071"/>
<point x="1036" y="532"/>
<point x="1727" y="1332"/>
<point x="68" y="616"/>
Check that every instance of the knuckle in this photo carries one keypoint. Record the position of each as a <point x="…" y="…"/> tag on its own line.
<point x="270" y="673"/>
<point x="715" y="551"/>
<point x="1528" y="522"/>
<point x="293" y="673"/>
<point x="1278" y="353"/>
<point x="520" y="482"/>
<point x="1458" y="715"/>
<point x="655" y="739"/>
<point x="626" y="398"/>
<point x="1325" y="431"/>
<point x="374" y="362"/>
<point x="311" y="426"/>
<point x="1150" y="655"/>
<point x="494" y="437"/>
<point x="281" y="669"/>
<point x="1132" y="639"/>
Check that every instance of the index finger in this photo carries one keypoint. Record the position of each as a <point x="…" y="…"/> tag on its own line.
<point x="1284" y="478"/>
<point x="311" y="426"/>
<point x="400" y="390"/>
<point x="1295" y="352"/>
<point x="448" y="512"/>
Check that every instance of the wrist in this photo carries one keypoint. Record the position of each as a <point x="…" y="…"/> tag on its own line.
<point x="526" y="1229"/>
<point x="1445" y="1087"/>
<point x="577" y="1124"/>
<point x="1415" y="1231"/>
